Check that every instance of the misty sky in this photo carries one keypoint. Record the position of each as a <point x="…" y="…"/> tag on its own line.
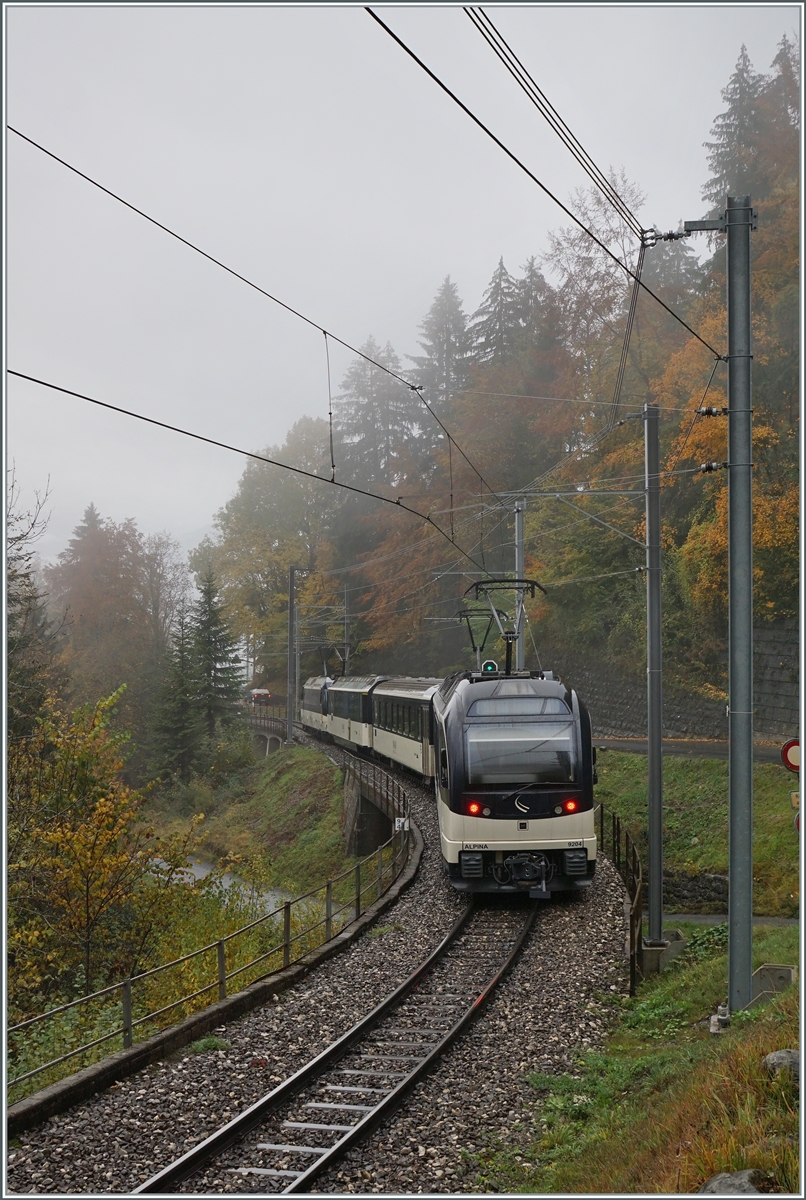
<point x="302" y="147"/>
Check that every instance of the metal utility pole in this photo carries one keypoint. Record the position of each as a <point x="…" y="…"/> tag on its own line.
<point x="297" y="681"/>
<point x="737" y="221"/>
<point x="289" y="736"/>
<point x="520" y="572"/>
<point x="346" y="632"/>
<point x="654" y="674"/>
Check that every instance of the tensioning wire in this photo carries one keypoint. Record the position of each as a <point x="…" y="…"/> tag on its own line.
<point x="256" y="287"/>
<point x="537" y="181"/>
<point x="246" y="454"/>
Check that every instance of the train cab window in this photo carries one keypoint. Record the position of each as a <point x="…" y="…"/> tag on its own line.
<point x="515" y="752"/>
<point x="518" y="706"/>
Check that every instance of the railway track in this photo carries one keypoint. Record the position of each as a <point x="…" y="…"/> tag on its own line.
<point x="284" y="1141"/>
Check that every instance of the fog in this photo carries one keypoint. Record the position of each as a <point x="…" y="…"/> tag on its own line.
<point x="303" y="148"/>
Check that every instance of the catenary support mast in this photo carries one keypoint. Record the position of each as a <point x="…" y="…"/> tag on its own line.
<point x="289" y="736"/>
<point x="520" y="572"/>
<point x="737" y="221"/>
<point x="654" y="673"/>
<point x="740" y="605"/>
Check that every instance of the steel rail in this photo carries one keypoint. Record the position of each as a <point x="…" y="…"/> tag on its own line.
<point x="166" y="1180"/>
<point x="394" y="1098"/>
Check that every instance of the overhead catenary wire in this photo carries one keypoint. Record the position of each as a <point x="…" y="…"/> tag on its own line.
<point x="540" y="184"/>
<point x="330" y="412"/>
<point x="625" y="346"/>
<point x="246" y="454"/>
<point x="565" y="399"/>
<point x="521" y="75"/>
<point x="696" y="414"/>
<point x="256" y="287"/>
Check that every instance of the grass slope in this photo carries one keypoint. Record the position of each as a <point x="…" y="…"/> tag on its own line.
<point x="666" y="1104"/>
<point x="695" y="798"/>
<point x="278" y="824"/>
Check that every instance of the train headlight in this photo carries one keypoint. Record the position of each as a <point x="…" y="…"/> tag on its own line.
<point x="486" y="812"/>
<point x="558" y="809"/>
<point x="570" y="806"/>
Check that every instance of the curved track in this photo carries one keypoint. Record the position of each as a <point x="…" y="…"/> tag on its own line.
<point x="301" y="1128"/>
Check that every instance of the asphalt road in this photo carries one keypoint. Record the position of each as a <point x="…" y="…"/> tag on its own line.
<point x="762" y="752"/>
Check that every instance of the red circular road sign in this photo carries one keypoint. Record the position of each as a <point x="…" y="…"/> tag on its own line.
<point x="790" y="755"/>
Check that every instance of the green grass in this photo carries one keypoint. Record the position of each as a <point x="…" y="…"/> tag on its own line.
<point x="665" y="1104"/>
<point x="278" y="824"/>
<point x="382" y="930"/>
<point x="695" y="796"/>
<point x="211" y="1042"/>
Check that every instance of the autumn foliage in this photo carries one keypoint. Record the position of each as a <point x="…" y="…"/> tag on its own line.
<point x="526" y="385"/>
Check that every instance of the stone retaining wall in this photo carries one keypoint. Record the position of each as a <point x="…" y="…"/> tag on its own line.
<point x="695" y="893"/>
<point x="616" y="699"/>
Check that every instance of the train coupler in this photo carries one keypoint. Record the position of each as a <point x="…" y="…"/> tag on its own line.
<point x="531" y="870"/>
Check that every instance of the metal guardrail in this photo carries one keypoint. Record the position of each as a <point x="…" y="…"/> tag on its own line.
<point x="616" y="842"/>
<point x="371" y="876"/>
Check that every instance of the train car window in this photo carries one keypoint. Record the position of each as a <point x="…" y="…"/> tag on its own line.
<point x="355" y="706"/>
<point x="520" y="706"/>
<point x="511" y="752"/>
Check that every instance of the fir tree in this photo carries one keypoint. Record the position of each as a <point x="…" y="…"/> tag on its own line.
<point x="735" y="132"/>
<point x="31" y="637"/>
<point x="375" y="416"/>
<point x="442" y="370"/>
<point x="178" y="729"/>
<point x="495" y="323"/>
<point x="217" y="663"/>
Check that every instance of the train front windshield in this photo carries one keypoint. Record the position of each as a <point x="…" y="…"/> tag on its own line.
<point x="538" y="746"/>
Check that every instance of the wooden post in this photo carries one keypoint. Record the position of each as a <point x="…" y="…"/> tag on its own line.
<point x="357" y="890"/>
<point x="329" y="911"/>
<point x="380" y="872"/>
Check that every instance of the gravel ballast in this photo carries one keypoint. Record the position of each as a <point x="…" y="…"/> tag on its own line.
<point x="543" y="1012"/>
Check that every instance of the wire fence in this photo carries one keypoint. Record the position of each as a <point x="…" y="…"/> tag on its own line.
<point x="90" y="1028"/>
<point x="616" y="842"/>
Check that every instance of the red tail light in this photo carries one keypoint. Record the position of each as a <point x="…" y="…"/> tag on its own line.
<point x="474" y="808"/>
<point x="570" y="806"/>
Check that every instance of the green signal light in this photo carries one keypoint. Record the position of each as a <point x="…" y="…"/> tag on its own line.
<point x="488" y="667"/>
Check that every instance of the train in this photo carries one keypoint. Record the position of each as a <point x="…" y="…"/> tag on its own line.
<point x="510" y="757"/>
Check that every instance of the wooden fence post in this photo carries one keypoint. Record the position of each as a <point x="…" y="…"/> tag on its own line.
<point x="357" y="890"/>
<point x="329" y="910"/>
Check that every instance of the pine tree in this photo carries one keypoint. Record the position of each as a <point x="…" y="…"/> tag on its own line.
<point x="178" y="729"/>
<point x="217" y="662"/>
<point x="375" y="416"/>
<point x="731" y="155"/>
<point x="442" y="370"/>
<point x="31" y="637"/>
<point x="495" y="322"/>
